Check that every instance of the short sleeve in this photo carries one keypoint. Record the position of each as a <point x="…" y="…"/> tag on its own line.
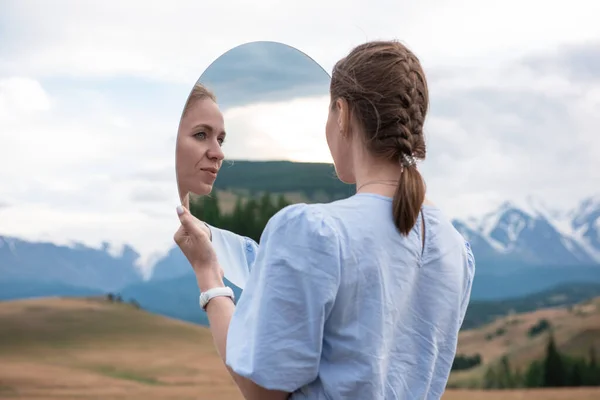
<point x="275" y="336"/>
<point x="469" y="267"/>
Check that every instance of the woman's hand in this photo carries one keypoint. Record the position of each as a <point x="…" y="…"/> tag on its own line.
<point x="201" y="224"/>
<point x="194" y="241"/>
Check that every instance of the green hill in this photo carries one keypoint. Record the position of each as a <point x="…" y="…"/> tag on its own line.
<point x="482" y="312"/>
<point x="316" y="181"/>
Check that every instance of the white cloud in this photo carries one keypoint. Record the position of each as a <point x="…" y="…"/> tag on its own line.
<point x="267" y="130"/>
<point x="21" y="98"/>
<point x="71" y="175"/>
<point x="175" y="41"/>
<point x="529" y="133"/>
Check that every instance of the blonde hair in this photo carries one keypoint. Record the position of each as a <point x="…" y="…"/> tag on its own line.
<point x="199" y="92"/>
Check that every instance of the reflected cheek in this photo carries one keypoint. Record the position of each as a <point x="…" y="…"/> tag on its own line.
<point x="195" y="148"/>
<point x="189" y="154"/>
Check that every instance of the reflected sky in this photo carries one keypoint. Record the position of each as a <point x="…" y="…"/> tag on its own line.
<point x="264" y="72"/>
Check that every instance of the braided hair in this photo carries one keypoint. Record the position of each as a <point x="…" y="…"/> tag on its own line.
<point x="386" y="90"/>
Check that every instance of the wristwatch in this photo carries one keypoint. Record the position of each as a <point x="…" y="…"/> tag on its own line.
<point x="224" y="291"/>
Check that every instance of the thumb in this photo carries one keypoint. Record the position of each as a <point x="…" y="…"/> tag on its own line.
<point x="186" y="219"/>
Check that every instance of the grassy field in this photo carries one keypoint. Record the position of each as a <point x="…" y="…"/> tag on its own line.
<point x="58" y="349"/>
<point x="92" y="349"/>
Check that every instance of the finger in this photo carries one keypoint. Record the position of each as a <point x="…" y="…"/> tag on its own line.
<point x="186" y="201"/>
<point x="187" y="222"/>
<point x="181" y="211"/>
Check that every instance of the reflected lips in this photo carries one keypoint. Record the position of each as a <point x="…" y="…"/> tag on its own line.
<point x="211" y="171"/>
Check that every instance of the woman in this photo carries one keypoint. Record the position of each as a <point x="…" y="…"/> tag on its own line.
<point x="361" y="298"/>
<point x="198" y="158"/>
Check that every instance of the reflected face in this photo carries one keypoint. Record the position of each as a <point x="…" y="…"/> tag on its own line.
<point x="339" y="141"/>
<point x="198" y="154"/>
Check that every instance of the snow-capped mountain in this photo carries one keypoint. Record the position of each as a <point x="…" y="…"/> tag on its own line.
<point x="520" y="248"/>
<point x="586" y="225"/>
<point x="532" y="233"/>
<point x="25" y="262"/>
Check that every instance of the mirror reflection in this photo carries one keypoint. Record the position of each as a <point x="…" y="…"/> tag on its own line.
<point x="199" y="153"/>
<point x="256" y="97"/>
<point x="258" y="101"/>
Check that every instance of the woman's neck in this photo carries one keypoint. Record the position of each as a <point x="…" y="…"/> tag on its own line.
<point x="377" y="177"/>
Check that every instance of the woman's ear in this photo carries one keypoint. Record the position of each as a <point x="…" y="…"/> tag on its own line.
<point x="341" y="106"/>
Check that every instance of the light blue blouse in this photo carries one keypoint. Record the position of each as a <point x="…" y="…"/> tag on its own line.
<point x="338" y="305"/>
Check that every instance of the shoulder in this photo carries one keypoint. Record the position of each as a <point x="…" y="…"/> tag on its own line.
<point x="300" y="238"/>
<point x="441" y="236"/>
<point x="309" y="219"/>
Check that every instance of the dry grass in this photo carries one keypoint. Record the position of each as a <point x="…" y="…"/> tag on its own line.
<point x="57" y="349"/>
<point x="91" y="349"/>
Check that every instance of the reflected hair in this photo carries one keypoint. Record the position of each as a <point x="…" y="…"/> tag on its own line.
<point x="199" y="92"/>
<point x="386" y="91"/>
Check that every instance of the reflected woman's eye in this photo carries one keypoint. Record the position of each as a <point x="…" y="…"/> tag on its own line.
<point x="221" y="141"/>
<point x="200" y="135"/>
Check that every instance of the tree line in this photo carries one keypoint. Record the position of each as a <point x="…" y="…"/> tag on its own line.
<point x="117" y="298"/>
<point x="317" y="181"/>
<point x="554" y="370"/>
<point x="462" y="362"/>
<point x="248" y="218"/>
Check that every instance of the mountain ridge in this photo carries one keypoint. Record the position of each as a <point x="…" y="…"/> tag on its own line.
<point x="509" y="244"/>
<point x="520" y="247"/>
<point x="536" y="234"/>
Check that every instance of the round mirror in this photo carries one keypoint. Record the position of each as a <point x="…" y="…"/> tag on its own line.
<point x="260" y="101"/>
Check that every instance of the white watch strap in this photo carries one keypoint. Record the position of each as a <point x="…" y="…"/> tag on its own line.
<point x="210" y="294"/>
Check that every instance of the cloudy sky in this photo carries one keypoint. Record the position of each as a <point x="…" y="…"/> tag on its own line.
<point x="91" y="94"/>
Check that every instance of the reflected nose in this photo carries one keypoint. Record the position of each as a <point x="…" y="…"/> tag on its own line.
<point x="216" y="152"/>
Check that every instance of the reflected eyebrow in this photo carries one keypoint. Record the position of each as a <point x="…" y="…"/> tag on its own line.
<point x="202" y="126"/>
<point x="207" y="128"/>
